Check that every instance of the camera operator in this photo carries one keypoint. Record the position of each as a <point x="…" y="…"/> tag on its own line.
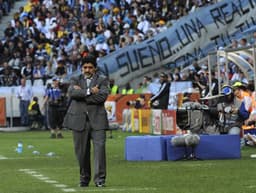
<point x="228" y="112"/>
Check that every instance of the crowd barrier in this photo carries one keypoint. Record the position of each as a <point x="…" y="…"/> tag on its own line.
<point x="138" y="120"/>
<point x="143" y="120"/>
<point x="150" y="121"/>
<point x="160" y="148"/>
<point x="12" y="102"/>
<point x="116" y="104"/>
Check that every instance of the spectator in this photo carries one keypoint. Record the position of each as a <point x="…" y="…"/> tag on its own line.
<point x="145" y="83"/>
<point x="61" y="69"/>
<point x="8" y="77"/>
<point x="24" y="94"/>
<point x="243" y="42"/>
<point x="199" y="83"/>
<point x="9" y="31"/>
<point x="154" y="85"/>
<point x="113" y="87"/>
<point x="212" y="89"/>
<point x="247" y="109"/>
<point x="128" y="89"/>
<point x="27" y="71"/>
<point x="39" y="72"/>
<point x="239" y="92"/>
<point x="49" y="70"/>
<point x="161" y="99"/>
<point x="69" y="25"/>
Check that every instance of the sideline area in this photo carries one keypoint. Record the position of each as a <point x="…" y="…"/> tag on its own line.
<point x="123" y="176"/>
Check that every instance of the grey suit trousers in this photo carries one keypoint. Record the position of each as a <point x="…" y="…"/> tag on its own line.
<point x="82" y="144"/>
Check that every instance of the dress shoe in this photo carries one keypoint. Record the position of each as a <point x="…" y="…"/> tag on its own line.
<point x="53" y="136"/>
<point x="59" y="135"/>
<point x="83" y="184"/>
<point x="100" y="184"/>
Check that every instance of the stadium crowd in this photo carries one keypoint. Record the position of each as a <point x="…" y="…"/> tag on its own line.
<point x="5" y="7"/>
<point x="48" y="38"/>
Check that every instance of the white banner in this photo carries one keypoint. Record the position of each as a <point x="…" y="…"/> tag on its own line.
<point x="190" y="38"/>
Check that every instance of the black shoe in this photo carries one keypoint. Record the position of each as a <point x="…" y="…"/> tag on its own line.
<point x="59" y="135"/>
<point x="82" y="184"/>
<point x="53" y="135"/>
<point x="100" y="184"/>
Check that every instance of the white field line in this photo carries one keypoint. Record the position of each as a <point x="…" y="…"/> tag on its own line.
<point x="68" y="190"/>
<point x="34" y="157"/>
<point x="128" y="189"/>
<point x="43" y="178"/>
<point x="251" y="186"/>
<point x="46" y="179"/>
<point x="65" y="188"/>
<point x="60" y="185"/>
<point x="3" y="157"/>
<point x="51" y="181"/>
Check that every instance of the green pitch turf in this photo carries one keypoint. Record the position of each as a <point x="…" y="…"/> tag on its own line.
<point x="39" y="173"/>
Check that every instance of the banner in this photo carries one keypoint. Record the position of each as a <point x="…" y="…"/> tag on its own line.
<point x="110" y="107"/>
<point x="169" y="122"/>
<point x="127" y="120"/>
<point x="190" y="38"/>
<point x="135" y="120"/>
<point x="123" y="102"/>
<point x="156" y="121"/>
<point x="145" y="115"/>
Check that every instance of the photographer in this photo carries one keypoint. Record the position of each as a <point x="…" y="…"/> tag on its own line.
<point x="55" y="103"/>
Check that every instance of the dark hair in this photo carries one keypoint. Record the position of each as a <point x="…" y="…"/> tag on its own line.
<point x="89" y="59"/>
<point x="163" y="75"/>
<point x="250" y="87"/>
<point x="35" y="98"/>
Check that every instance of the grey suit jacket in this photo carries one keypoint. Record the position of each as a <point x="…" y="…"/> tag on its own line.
<point x="84" y="107"/>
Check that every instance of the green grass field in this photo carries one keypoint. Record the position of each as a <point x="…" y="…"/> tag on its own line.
<point x="30" y="173"/>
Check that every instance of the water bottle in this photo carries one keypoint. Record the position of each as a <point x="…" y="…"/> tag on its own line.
<point x="30" y="146"/>
<point x="20" y="147"/>
<point x="36" y="152"/>
<point x="50" y="154"/>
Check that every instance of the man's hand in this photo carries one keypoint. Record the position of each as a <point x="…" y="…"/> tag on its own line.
<point x="76" y="87"/>
<point x="95" y="89"/>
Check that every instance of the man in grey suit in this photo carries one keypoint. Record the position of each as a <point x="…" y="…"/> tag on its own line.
<point x="87" y="118"/>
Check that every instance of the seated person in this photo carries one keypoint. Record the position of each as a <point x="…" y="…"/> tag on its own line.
<point x="247" y="109"/>
<point x="35" y="115"/>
